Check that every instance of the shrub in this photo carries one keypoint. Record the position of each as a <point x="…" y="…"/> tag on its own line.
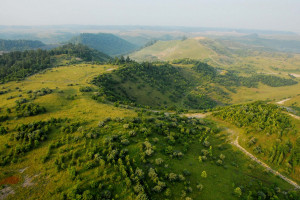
<point x="3" y="130"/>
<point x="203" y="174"/>
<point x="238" y="192"/>
<point x="85" y="89"/>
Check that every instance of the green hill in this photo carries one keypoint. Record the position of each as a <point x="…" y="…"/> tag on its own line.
<point x="105" y="42"/>
<point x="163" y="85"/>
<point x="268" y="132"/>
<point x="17" y="65"/>
<point x="59" y="143"/>
<point x="226" y="54"/>
<point x="171" y="50"/>
<point x="20" y="45"/>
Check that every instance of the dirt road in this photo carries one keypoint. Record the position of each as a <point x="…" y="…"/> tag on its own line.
<point x="236" y="143"/>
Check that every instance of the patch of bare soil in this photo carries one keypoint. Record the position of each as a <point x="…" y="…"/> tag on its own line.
<point x="197" y="115"/>
<point x="10" y="180"/>
<point x="5" y="192"/>
<point x="22" y="170"/>
<point x="28" y="181"/>
<point x="282" y="101"/>
<point x="296" y="75"/>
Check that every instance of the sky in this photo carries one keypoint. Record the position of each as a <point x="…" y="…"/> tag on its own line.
<point x="246" y="14"/>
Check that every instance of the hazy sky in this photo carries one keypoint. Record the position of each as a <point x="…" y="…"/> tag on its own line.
<point x="250" y="14"/>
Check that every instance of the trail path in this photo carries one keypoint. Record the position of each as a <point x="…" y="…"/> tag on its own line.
<point x="282" y="101"/>
<point x="236" y="143"/>
<point x="292" y="115"/>
<point x="295" y="116"/>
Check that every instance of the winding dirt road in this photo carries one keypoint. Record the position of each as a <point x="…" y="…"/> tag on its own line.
<point x="236" y="143"/>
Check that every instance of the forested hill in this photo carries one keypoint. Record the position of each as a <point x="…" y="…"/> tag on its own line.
<point x="20" y="45"/>
<point x="17" y="65"/>
<point x="161" y="85"/>
<point x="105" y="42"/>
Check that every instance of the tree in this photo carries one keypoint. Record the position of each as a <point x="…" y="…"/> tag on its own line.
<point x="203" y="174"/>
<point x="87" y="195"/>
<point x="238" y="191"/>
<point x="2" y="130"/>
<point x="200" y="159"/>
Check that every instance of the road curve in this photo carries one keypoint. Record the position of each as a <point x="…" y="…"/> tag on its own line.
<point x="236" y="143"/>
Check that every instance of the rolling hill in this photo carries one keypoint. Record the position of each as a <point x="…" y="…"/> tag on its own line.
<point x="78" y="148"/>
<point x="74" y="126"/>
<point x="199" y="86"/>
<point x="17" y="65"/>
<point x="105" y="42"/>
<point x="227" y="54"/>
<point x="20" y="45"/>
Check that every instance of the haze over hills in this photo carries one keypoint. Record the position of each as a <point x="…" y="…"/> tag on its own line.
<point x="150" y="100"/>
<point x="18" y="45"/>
<point x="104" y="42"/>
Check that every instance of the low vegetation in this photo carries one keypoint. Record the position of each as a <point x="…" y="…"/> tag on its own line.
<point x="266" y="122"/>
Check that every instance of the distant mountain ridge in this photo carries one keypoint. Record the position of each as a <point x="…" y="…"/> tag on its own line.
<point x="20" y="45"/>
<point x="105" y="42"/>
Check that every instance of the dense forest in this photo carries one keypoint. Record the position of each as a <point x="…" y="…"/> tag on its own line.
<point x="20" y="45"/>
<point x="17" y="65"/>
<point x="257" y="117"/>
<point x="105" y="42"/>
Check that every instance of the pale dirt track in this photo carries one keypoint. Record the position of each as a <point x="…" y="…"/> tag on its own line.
<point x="235" y="142"/>
<point x="276" y="173"/>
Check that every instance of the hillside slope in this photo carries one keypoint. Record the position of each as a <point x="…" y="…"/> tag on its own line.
<point x="227" y="54"/>
<point x="17" y="65"/>
<point x="105" y="42"/>
<point x="78" y="148"/>
<point x="171" y="50"/>
<point x="199" y="86"/>
<point x="20" y="45"/>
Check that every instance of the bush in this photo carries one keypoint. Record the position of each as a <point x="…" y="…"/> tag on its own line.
<point x="85" y="89"/>
<point x="31" y="109"/>
<point x="3" y="130"/>
<point x="3" y="118"/>
<point x="238" y="192"/>
<point x="203" y="174"/>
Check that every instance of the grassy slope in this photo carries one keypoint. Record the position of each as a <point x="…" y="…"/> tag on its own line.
<point x="266" y="142"/>
<point x="57" y="103"/>
<point x="208" y="50"/>
<point x="175" y="49"/>
<point x="279" y="64"/>
<point x="294" y="103"/>
<point x="264" y="92"/>
<point x="219" y="184"/>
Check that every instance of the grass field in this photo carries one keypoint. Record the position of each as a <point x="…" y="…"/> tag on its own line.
<point x="218" y="55"/>
<point x="65" y="82"/>
<point x="264" y="92"/>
